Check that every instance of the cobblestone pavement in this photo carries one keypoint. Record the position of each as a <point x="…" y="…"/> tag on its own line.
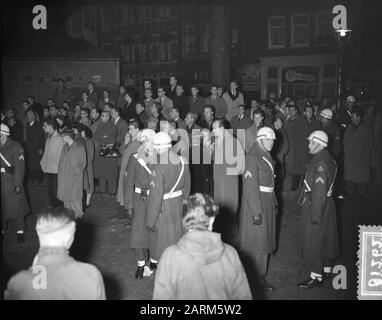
<point x="105" y="244"/>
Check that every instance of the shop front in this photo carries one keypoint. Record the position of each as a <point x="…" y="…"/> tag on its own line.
<point x="308" y="75"/>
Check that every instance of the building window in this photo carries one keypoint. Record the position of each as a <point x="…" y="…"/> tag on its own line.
<point x="205" y="33"/>
<point x="88" y="17"/>
<point x="105" y="18"/>
<point x="144" y="13"/>
<point x="153" y="50"/>
<point x="276" y="32"/>
<point x="188" y="38"/>
<point x="272" y="72"/>
<point x="144" y="52"/>
<point x="128" y="14"/>
<point x="164" y="12"/>
<point x="300" y="30"/>
<point x="324" y="30"/>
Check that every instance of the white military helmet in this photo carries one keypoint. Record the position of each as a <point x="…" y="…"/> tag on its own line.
<point x="5" y="130"/>
<point x="327" y="113"/>
<point x="320" y="137"/>
<point x="162" y="140"/>
<point x="350" y="99"/>
<point x="146" y="133"/>
<point x="265" y="133"/>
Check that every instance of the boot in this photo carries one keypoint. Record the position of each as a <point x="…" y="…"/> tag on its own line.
<point x="139" y="272"/>
<point x="153" y="266"/>
<point x="20" y="238"/>
<point x="310" y="283"/>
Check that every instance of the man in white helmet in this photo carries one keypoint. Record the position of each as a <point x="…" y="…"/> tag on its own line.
<point x="138" y="173"/>
<point x="333" y="132"/>
<point x="14" y="203"/>
<point x="170" y="186"/>
<point x="257" y="232"/>
<point x="318" y="225"/>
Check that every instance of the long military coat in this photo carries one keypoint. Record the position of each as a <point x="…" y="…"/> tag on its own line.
<point x="71" y="172"/>
<point x="166" y="215"/>
<point x="318" y="223"/>
<point x="138" y="176"/>
<point x="259" y="171"/>
<point x="13" y="205"/>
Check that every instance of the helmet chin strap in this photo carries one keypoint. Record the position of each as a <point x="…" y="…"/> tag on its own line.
<point x="315" y="148"/>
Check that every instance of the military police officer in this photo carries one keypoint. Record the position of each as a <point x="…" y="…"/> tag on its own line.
<point x="14" y="203"/>
<point x="170" y="186"/>
<point x="258" y="211"/>
<point x="137" y="190"/>
<point x="318" y="225"/>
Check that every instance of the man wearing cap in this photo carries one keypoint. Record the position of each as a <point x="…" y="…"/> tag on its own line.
<point x="170" y="186"/>
<point x="54" y="274"/>
<point x="14" y="203"/>
<point x="257" y="232"/>
<point x="333" y="132"/>
<point x="318" y="225"/>
<point x="71" y="173"/>
<point x="138" y="176"/>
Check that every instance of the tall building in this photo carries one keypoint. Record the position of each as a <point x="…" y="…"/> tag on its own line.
<point x="153" y="42"/>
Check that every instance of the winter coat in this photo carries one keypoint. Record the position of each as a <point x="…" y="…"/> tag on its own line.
<point x="358" y="142"/>
<point x="13" y="206"/>
<point x="259" y="171"/>
<point x="233" y="102"/>
<point x="33" y="144"/>
<point x="219" y="104"/>
<point x="318" y="223"/>
<point x="166" y="215"/>
<point x="71" y="172"/>
<point x="66" y="279"/>
<point x="201" y="267"/>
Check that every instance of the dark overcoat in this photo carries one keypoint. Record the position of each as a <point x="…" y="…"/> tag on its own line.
<point x="140" y="177"/>
<point x="14" y="205"/>
<point x="259" y="171"/>
<point x="358" y="142"/>
<point x="318" y="223"/>
<point x="34" y="142"/>
<point x="166" y="215"/>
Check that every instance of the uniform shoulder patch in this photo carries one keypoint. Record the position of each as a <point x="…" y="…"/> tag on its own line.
<point x="320" y="179"/>
<point x="21" y="157"/>
<point x="320" y="168"/>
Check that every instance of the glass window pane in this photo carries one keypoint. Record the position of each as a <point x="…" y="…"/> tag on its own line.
<point x="272" y="73"/>
<point x="303" y="19"/>
<point x="277" y="36"/>
<point x="277" y="21"/>
<point x="300" y="35"/>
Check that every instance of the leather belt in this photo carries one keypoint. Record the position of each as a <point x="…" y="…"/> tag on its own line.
<point x="172" y="195"/>
<point x="139" y="190"/>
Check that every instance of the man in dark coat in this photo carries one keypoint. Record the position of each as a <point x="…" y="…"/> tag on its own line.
<point x="181" y="101"/>
<point x="296" y="157"/>
<point x="34" y="145"/>
<point x="170" y="186"/>
<point x="240" y="122"/>
<point x="208" y="117"/>
<point x="93" y="97"/>
<point x="218" y="102"/>
<point x="105" y="169"/>
<point x="71" y="173"/>
<point x="258" y="211"/>
<point x="62" y="93"/>
<point x="196" y="102"/>
<point x="120" y="124"/>
<point x="14" y="203"/>
<point x="138" y="174"/>
<point x="358" y="143"/>
<point x="36" y="107"/>
<point x="318" y="225"/>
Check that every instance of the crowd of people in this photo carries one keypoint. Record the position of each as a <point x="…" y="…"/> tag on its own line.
<point x="115" y="150"/>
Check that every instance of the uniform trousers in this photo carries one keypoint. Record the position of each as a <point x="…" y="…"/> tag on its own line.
<point x="318" y="266"/>
<point x="108" y="185"/>
<point x="141" y="254"/>
<point x="51" y="184"/>
<point x="18" y="223"/>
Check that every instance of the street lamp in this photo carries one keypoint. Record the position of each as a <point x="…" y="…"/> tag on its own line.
<point x="343" y="38"/>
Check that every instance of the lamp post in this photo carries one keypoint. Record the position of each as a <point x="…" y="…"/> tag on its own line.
<point x="343" y="38"/>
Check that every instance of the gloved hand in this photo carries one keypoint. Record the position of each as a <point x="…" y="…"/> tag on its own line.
<point x="150" y="229"/>
<point x="257" y="220"/>
<point x="130" y="213"/>
<point x="17" y="190"/>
